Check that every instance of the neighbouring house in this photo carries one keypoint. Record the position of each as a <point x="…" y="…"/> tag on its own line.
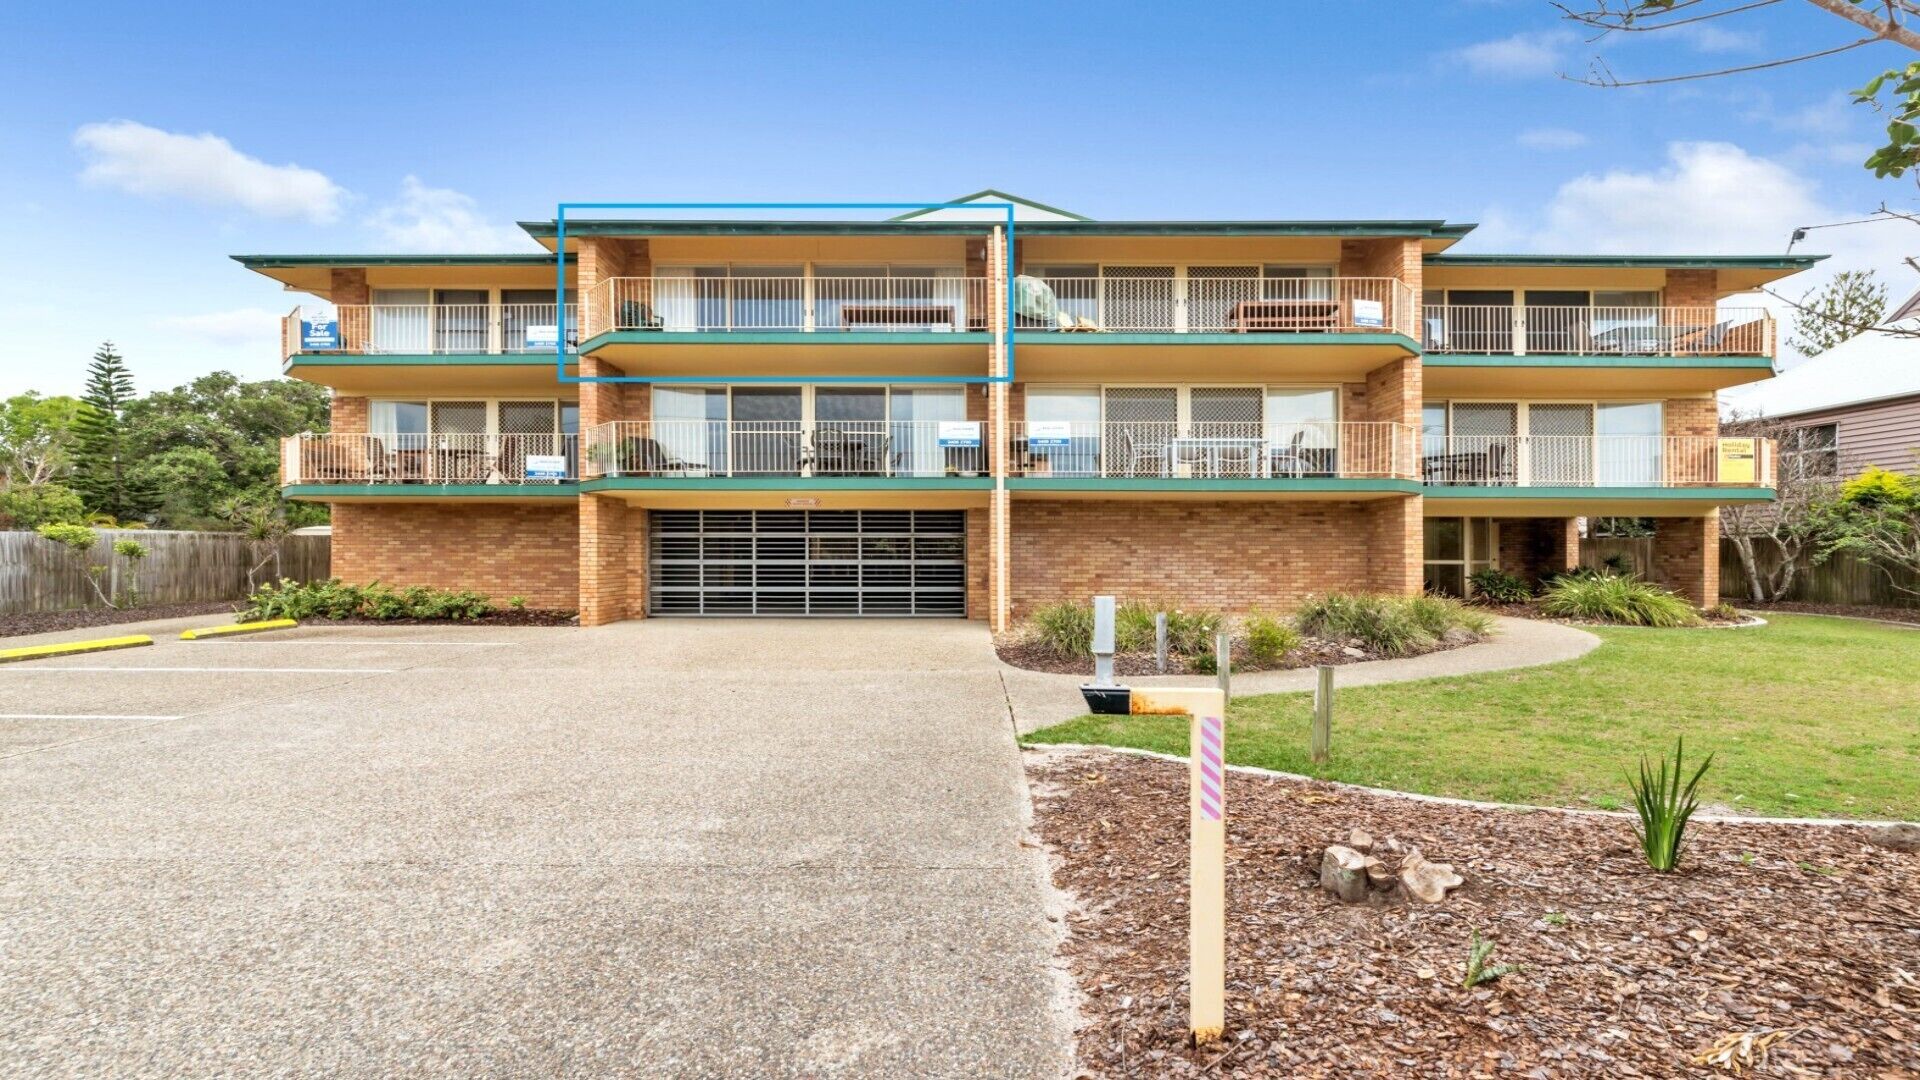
<point x="1853" y="406"/>
<point x="872" y="417"/>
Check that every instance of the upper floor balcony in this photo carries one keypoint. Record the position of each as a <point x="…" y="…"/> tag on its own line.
<point x="1594" y="461"/>
<point x="789" y="449"/>
<point x="1561" y="330"/>
<point x="429" y="459"/>
<point x="425" y="329"/>
<point x="1161" y="300"/>
<point x="1135" y="450"/>
<point x="807" y="300"/>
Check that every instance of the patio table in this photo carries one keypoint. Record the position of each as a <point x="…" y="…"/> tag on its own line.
<point x="1212" y="449"/>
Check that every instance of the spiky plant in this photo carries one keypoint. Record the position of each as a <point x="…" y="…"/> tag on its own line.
<point x="1479" y="951"/>
<point x="1665" y="807"/>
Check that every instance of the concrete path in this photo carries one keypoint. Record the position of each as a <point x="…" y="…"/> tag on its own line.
<point x="1041" y="699"/>
<point x="653" y="849"/>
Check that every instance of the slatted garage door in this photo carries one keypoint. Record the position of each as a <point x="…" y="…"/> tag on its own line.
<point x="807" y="562"/>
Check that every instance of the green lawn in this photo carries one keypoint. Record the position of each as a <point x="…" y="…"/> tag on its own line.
<point x="1806" y="717"/>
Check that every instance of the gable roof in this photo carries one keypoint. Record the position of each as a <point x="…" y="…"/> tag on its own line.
<point x="993" y="195"/>
<point x="1869" y="367"/>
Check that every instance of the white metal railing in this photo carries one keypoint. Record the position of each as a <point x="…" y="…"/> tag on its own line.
<point x="1520" y="329"/>
<point x="797" y="303"/>
<point x="433" y="328"/>
<point x="420" y="458"/>
<point x="1207" y="305"/>
<point x="1249" y="450"/>
<point x="1594" y="461"/>
<point x="703" y="448"/>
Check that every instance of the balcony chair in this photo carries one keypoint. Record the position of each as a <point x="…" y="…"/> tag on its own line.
<point x="1145" y="450"/>
<point x="636" y="315"/>
<point x="640" y="455"/>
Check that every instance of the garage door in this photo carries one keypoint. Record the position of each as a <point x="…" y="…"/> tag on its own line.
<point x="807" y="562"/>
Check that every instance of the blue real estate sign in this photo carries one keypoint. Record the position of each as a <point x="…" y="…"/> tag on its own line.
<point x="1049" y="434"/>
<point x="319" y="334"/>
<point x="544" y="337"/>
<point x="959" y="433"/>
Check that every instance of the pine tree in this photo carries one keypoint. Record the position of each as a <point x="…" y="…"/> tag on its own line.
<point x="102" y="465"/>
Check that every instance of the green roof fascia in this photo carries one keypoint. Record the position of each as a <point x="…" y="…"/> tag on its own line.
<point x="989" y="193"/>
<point x="1242" y="483"/>
<point x="1669" y="262"/>
<point x="781" y="337"/>
<point x="601" y="227"/>
<point x="418" y="491"/>
<point x="1686" y="494"/>
<point x="788" y="483"/>
<point x="269" y="262"/>
<point x="1595" y="360"/>
<point x="1055" y="337"/>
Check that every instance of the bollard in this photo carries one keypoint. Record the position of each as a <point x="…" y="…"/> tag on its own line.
<point x="1103" y="641"/>
<point x="1160" y="641"/>
<point x="1223" y="664"/>
<point x="1206" y="837"/>
<point x="1322" y="714"/>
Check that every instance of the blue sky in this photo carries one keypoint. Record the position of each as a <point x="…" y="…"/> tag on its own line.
<point x="140" y="145"/>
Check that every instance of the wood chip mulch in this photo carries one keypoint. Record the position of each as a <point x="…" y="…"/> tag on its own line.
<point x="1858" y="611"/>
<point x="46" y="622"/>
<point x="1802" y="937"/>
<point x="502" y="617"/>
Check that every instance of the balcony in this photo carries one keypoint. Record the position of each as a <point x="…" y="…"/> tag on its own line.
<point x="425" y="329"/>
<point x="1140" y="450"/>
<point x="1531" y="330"/>
<point x="1595" y="461"/>
<point x="1213" y="305"/>
<point x="446" y="460"/>
<point x="704" y="449"/>
<point x="800" y="303"/>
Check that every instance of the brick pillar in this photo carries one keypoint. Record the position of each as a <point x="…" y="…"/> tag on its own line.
<point x="1686" y="557"/>
<point x="1395" y="545"/>
<point x="1692" y="288"/>
<point x="349" y="414"/>
<point x="604" y="568"/>
<point x="347" y="288"/>
<point x="1567" y="536"/>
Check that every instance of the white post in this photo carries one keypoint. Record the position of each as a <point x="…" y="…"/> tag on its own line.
<point x="1223" y="664"/>
<point x="1103" y="641"/>
<point x="1160" y="641"/>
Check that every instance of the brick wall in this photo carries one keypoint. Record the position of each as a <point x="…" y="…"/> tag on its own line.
<point x="1532" y="547"/>
<point x="349" y="414"/>
<point x="1686" y="557"/>
<point x="606" y="578"/>
<point x="979" y="565"/>
<point x="1692" y="288"/>
<point x="503" y="551"/>
<point x="1226" y="555"/>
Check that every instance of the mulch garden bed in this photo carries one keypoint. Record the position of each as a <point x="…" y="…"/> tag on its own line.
<point x="1710" y="617"/>
<point x="1035" y="656"/>
<point x="502" y="617"/>
<point x="1810" y="931"/>
<point x="1858" y="611"/>
<point x="46" y="622"/>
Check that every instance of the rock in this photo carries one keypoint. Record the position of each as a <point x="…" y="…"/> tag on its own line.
<point x="1357" y="654"/>
<point x="1427" y="881"/>
<point x="1901" y="837"/>
<point x="1343" y="872"/>
<point x="1360" y="841"/>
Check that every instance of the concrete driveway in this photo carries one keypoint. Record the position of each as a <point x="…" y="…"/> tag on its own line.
<point x="661" y="849"/>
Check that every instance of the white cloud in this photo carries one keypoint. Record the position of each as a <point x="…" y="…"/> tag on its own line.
<point x="1551" y="138"/>
<point x="1708" y="38"/>
<point x="1709" y="198"/>
<point x="440" y="219"/>
<point x="205" y="168"/>
<point x="1832" y="115"/>
<point x="240" y="326"/>
<point x="1528" y="53"/>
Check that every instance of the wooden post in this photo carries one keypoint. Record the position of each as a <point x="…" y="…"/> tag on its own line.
<point x="1160" y="641"/>
<point x="1323" y="714"/>
<point x="1223" y="664"/>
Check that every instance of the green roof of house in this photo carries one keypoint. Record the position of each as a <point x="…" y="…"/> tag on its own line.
<point x="990" y="193"/>
<point x="682" y="227"/>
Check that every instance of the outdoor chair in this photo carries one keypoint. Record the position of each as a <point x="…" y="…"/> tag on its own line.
<point x="640" y="455"/>
<point x="635" y="315"/>
<point x="1144" y="450"/>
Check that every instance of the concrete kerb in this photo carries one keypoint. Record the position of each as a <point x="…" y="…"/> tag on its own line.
<point x="1447" y="800"/>
<point x="72" y="648"/>
<point x="1040" y="699"/>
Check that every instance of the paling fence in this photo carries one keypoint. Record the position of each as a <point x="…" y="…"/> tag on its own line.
<point x="180" y="567"/>
<point x="1637" y="550"/>
<point x="1842" y="579"/>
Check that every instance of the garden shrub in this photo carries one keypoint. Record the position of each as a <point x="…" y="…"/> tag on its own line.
<point x="334" y="599"/>
<point x="1623" y="600"/>
<point x="1500" y="587"/>
<point x="1064" y="628"/>
<point x="1439" y="614"/>
<point x="1191" y="633"/>
<point x="1268" y="639"/>
<point x="1382" y="624"/>
<point x="1664" y="807"/>
<point x="1132" y="626"/>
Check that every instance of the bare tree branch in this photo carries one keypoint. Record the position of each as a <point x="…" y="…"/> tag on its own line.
<point x="1887" y="28"/>
<point x="1612" y="83"/>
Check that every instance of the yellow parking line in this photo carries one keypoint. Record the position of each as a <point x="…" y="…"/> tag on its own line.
<point x="73" y="648"/>
<point x="204" y="632"/>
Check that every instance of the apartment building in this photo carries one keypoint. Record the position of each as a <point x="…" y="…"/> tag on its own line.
<point x="919" y="417"/>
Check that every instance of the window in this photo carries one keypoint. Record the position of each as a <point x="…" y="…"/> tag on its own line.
<point x="1455" y="549"/>
<point x="1812" y="452"/>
